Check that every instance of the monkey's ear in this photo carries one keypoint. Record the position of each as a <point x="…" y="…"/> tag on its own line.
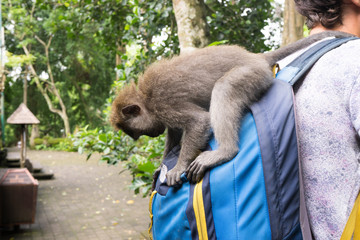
<point x="131" y="110"/>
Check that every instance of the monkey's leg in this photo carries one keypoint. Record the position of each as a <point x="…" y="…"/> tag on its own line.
<point x="230" y="96"/>
<point x="196" y="134"/>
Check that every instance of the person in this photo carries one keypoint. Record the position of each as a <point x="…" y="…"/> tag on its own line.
<point x="328" y="120"/>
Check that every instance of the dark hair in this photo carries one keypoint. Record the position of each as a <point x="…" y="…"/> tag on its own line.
<point x="325" y="12"/>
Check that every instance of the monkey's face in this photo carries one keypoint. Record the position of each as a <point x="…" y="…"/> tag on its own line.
<point x="133" y="134"/>
<point x="136" y="121"/>
<point x="132" y="128"/>
<point x="136" y="133"/>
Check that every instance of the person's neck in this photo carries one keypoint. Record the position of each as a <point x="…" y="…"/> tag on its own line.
<point x="350" y="22"/>
<point x="343" y="28"/>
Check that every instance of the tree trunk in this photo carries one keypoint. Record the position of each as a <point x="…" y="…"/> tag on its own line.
<point x="193" y="31"/>
<point x="35" y="133"/>
<point x="66" y="122"/>
<point x="25" y="91"/>
<point x="23" y="145"/>
<point x="293" y="24"/>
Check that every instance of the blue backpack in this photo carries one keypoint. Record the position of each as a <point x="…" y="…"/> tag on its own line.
<point x="258" y="194"/>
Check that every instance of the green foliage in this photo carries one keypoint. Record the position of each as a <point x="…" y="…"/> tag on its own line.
<point x="18" y="60"/>
<point x="144" y="162"/>
<point x="140" y="158"/>
<point x="239" y="22"/>
<point x="56" y="144"/>
<point x="82" y="67"/>
<point x="306" y="31"/>
<point x="115" y="146"/>
<point x="11" y="134"/>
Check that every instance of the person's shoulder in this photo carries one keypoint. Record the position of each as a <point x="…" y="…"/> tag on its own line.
<point x="348" y="49"/>
<point x="342" y="61"/>
<point x="353" y="42"/>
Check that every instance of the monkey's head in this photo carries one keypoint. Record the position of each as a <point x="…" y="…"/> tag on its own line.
<point x="129" y="114"/>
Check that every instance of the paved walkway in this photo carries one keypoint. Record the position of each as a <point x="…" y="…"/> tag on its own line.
<point x="86" y="200"/>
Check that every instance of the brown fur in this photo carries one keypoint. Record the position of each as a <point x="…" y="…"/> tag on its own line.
<point x="193" y="93"/>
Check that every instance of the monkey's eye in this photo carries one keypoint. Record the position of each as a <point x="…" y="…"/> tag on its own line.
<point x="118" y="125"/>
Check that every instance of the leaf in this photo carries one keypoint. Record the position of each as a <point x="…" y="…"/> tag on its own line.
<point x="107" y="150"/>
<point x="147" y="167"/>
<point x="218" y="43"/>
<point x="103" y="137"/>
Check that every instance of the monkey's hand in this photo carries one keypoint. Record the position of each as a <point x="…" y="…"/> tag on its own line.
<point x="173" y="177"/>
<point x="204" y="161"/>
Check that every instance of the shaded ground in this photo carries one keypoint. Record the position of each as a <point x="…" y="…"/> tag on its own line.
<point x="85" y="200"/>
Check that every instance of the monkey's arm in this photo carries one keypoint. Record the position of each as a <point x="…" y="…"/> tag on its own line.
<point x="235" y="91"/>
<point x="196" y="132"/>
<point x="173" y="138"/>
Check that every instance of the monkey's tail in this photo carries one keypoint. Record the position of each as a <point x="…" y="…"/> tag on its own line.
<point x="274" y="56"/>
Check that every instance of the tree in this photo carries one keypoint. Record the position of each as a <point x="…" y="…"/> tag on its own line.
<point x="193" y="30"/>
<point x="50" y="86"/>
<point x="26" y="36"/>
<point x="72" y="68"/>
<point x="235" y="22"/>
<point x="293" y="24"/>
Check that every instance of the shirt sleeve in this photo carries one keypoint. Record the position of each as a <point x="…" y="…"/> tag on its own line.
<point x="355" y="105"/>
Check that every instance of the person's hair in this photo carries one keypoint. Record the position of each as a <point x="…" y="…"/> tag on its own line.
<point x="325" y="12"/>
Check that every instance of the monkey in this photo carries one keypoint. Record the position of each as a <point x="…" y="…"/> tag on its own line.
<point x="197" y="94"/>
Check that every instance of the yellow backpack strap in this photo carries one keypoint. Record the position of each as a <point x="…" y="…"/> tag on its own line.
<point x="151" y="213"/>
<point x="275" y="70"/>
<point x="198" y="204"/>
<point x="352" y="226"/>
<point x="357" y="221"/>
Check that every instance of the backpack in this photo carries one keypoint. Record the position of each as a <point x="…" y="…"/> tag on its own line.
<point x="256" y="195"/>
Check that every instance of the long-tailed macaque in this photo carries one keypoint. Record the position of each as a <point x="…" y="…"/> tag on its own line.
<point x="193" y="93"/>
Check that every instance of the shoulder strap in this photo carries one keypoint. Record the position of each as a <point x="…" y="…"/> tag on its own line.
<point x="297" y="68"/>
<point x="291" y="74"/>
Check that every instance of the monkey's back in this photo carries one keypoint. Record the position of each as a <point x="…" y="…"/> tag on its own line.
<point x="191" y="77"/>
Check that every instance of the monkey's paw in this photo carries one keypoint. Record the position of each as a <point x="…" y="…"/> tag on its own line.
<point x="173" y="177"/>
<point x="197" y="168"/>
<point x="206" y="160"/>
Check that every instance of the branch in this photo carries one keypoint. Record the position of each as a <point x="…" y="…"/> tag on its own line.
<point x="38" y="84"/>
<point x="32" y="11"/>
<point x="40" y="41"/>
<point x="54" y="90"/>
<point x="46" y="45"/>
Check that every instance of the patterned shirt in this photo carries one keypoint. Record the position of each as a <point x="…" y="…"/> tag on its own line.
<point x="328" y="121"/>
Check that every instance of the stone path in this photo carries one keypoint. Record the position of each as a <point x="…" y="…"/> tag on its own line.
<point x="86" y="200"/>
